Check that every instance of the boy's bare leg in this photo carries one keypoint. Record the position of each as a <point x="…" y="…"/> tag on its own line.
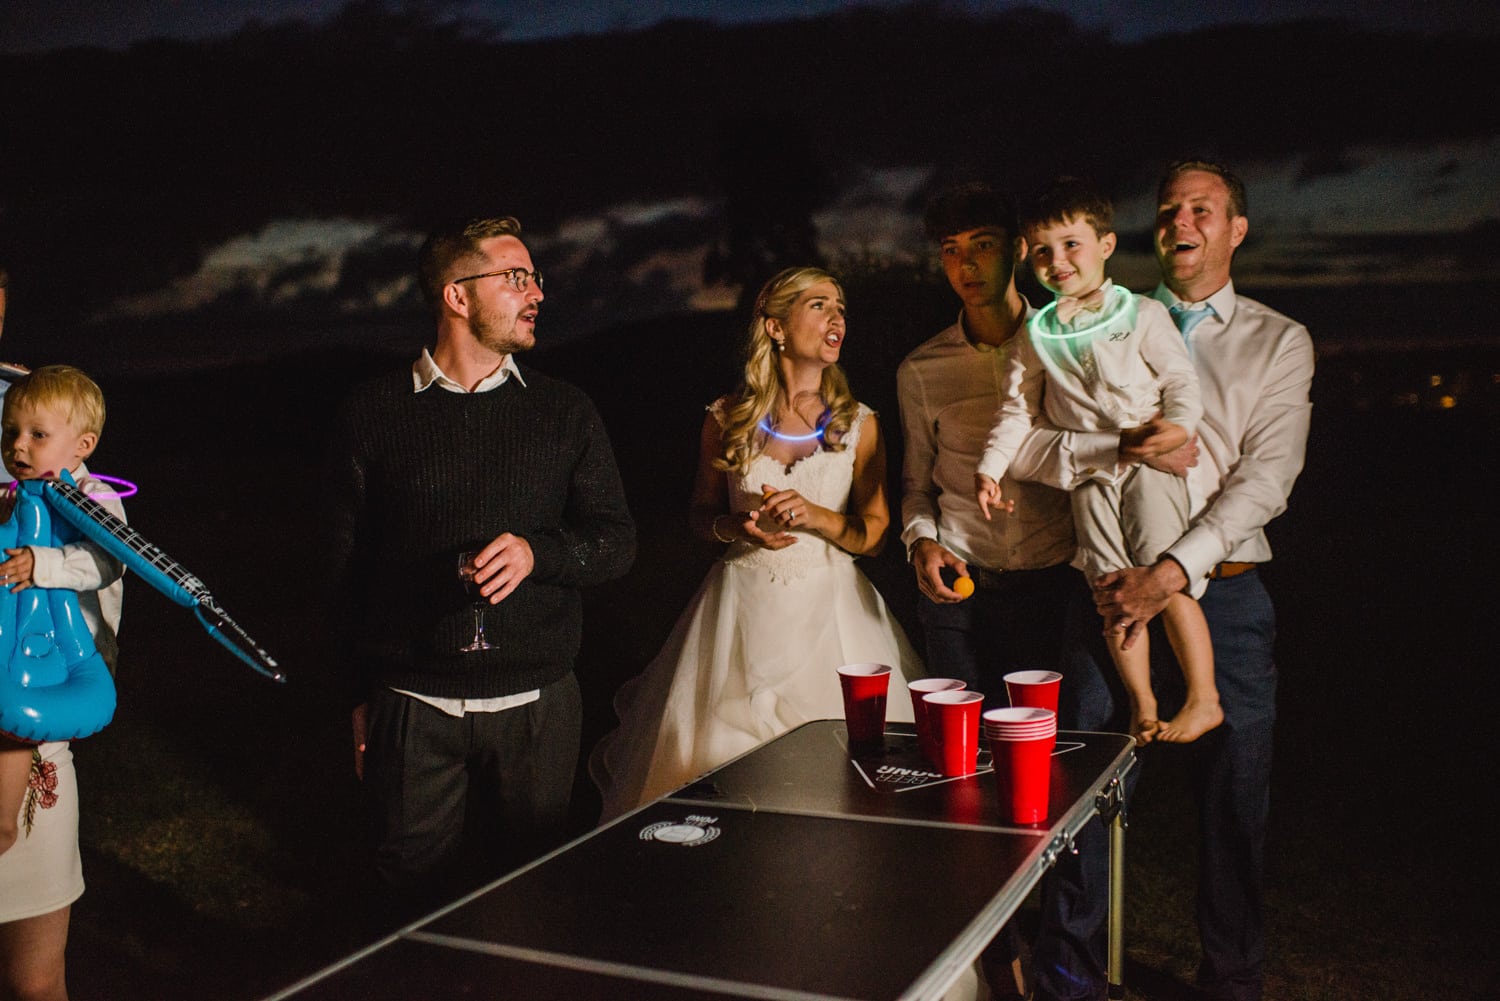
<point x="15" y="773"/>
<point x="1187" y="630"/>
<point x="1134" y="666"/>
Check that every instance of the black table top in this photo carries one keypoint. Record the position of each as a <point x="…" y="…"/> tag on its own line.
<point x="792" y="872"/>
<point x="809" y="770"/>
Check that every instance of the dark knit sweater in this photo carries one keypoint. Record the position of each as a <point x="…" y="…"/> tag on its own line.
<point x="417" y="478"/>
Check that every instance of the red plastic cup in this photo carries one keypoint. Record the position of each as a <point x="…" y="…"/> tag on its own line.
<point x="1033" y="688"/>
<point x="1023" y="774"/>
<point x="923" y="686"/>
<point x="864" y="687"/>
<point x="1017" y="723"/>
<point x="954" y="718"/>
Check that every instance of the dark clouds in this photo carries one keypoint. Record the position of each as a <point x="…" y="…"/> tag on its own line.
<point x="292" y="165"/>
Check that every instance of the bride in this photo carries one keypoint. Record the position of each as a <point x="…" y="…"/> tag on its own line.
<point x="791" y="477"/>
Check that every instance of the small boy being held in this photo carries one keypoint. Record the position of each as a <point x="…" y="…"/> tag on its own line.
<point x="1102" y="358"/>
<point x="51" y="420"/>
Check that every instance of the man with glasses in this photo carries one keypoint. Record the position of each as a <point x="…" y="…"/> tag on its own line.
<point x="465" y="451"/>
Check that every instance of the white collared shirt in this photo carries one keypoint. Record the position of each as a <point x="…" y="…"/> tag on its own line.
<point x="1255" y="369"/>
<point x="949" y="390"/>
<point x="425" y="374"/>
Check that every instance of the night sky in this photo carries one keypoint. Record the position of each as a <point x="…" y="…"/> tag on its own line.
<point x="32" y="25"/>
<point x="286" y="166"/>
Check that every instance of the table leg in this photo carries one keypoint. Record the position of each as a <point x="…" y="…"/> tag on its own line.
<point x="1117" y="906"/>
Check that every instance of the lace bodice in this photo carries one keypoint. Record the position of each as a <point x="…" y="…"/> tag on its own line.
<point x="824" y="477"/>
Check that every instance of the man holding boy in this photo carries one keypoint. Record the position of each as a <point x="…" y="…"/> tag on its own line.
<point x="1100" y="357"/>
<point x="466" y="451"/>
<point x="1255" y="370"/>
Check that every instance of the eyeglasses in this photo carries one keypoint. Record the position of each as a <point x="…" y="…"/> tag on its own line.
<point x="516" y="278"/>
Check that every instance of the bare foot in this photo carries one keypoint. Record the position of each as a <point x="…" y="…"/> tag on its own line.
<point x="1144" y="730"/>
<point x="1195" y="719"/>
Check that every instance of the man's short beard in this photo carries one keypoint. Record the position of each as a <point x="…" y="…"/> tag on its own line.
<point x="504" y="346"/>
<point x="484" y="329"/>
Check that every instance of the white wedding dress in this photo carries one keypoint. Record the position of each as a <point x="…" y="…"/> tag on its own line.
<point x="757" y="650"/>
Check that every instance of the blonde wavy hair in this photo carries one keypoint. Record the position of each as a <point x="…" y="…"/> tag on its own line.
<point x="762" y="387"/>
<point x="67" y="389"/>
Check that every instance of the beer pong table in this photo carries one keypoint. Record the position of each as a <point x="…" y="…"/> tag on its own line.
<point x="792" y="872"/>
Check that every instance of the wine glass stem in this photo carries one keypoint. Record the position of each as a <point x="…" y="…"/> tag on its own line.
<point x="478" y="623"/>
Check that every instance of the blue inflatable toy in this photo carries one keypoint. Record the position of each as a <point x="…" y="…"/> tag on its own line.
<point x="54" y="684"/>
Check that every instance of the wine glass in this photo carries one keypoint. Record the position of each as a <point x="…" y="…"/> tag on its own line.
<point x="466" y="571"/>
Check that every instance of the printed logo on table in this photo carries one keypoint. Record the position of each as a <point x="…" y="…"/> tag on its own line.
<point x="894" y="775"/>
<point x="902" y="768"/>
<point x="691" y="832"/>
<point x="908" y="775"/>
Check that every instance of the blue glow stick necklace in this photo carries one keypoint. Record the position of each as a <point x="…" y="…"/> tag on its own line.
<point x="816" y="434"/>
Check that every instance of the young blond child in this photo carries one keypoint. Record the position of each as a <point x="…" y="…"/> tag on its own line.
<point x="51" y="420"/>
<point x="1101" y="358"/>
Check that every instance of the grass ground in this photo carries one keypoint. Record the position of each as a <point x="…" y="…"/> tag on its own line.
<point x="220" y="822"/>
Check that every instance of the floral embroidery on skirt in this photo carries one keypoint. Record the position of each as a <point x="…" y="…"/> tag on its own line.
<point x="41" y="789"/>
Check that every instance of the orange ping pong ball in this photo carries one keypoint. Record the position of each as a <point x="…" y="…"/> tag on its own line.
<point x="964" y="586"/>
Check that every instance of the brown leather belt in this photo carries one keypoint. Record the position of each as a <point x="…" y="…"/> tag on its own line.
<point x="1225" y="570"/>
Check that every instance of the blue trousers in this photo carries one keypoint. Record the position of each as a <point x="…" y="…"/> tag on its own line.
<point x="1232" y="781"/>
<point x="1013" y="622"/>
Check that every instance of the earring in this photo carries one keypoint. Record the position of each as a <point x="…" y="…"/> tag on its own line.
<point x="777" y="344"/>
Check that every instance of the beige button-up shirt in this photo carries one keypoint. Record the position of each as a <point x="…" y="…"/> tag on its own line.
<point x="949" y="390"/>
<point x="1255" y="369"/>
